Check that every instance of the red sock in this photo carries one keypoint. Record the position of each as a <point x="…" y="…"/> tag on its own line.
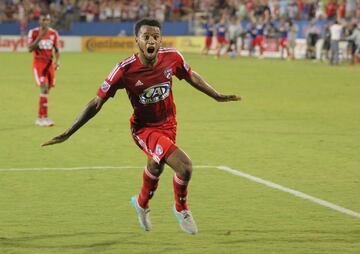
<point x="149" y="186"/>
<point x="180" y="191"/>
<point x="43" y="106"/>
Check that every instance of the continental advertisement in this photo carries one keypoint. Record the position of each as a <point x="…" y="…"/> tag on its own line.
<point x="189" y="44"/>
<point x="117" y="44"/>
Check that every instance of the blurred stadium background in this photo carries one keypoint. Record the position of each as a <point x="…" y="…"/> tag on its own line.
<point x="76" y="19"/>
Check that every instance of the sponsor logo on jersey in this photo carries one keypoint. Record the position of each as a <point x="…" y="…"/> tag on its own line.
<point x="139" y="83"/>
<point x="105" y="87"/>
<point x="159" y="150"/>
<point x="168" y="73"/>
<point x="155" y="93"/>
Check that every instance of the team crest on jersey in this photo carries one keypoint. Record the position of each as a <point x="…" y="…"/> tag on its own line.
<point x="168" y="73"/>
<point x="52" y="37"/>
<point x="105" y="87"/>
<point x="159" y="150"/>
<point x="155" y="93"/>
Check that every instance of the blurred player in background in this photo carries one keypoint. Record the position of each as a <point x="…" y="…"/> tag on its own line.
<point x="355" y="38"/>
<point x="147" y="79"/>
<point x="325" y="52"/>
<point x="259" y="40"/>
<point x="312" y="37"/>
<point x="292" y="35"/>
<point x="235" y="32"/>
<point x="336" y="32"/>
<point x="350" y="29"/>
<point x="221" y="33"/>
<point x="43" y="41"/>
<point x="209" y="33"/>
<point x="283" y="38"/>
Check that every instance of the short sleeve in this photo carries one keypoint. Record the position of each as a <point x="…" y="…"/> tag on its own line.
<point x="112" y="83"/>
<point x="30" y="37"/>
<point x="183" y="70"/>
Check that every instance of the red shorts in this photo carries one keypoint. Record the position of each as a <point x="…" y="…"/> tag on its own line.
<point x="222" y="40"/>
<point x="258" y="41"/>
<point x="283" y="42"/>
<point x="208" y="41"/>
<point x="156" y="142"/>
<point x="44" y="74"/>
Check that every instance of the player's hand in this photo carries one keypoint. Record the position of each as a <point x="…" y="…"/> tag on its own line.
<point x="43" y="32"/>
<point x="226" y="98"/>
<point x="56" y="140"/>
<point x="57" y="66"/>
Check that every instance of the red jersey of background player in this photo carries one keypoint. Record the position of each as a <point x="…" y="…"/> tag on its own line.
<point x="44" y="51"/>
<point x="148" y="88"/>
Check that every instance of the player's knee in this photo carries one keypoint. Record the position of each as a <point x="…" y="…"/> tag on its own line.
<point x="155" y="168"/>
<point x="44" y="89"/>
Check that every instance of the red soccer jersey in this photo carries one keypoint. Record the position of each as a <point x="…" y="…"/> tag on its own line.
<point x="149" y="88"/>
<point x="43" y="53"/>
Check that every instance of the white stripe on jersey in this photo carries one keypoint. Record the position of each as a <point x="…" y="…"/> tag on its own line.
<point x="121" y="65"/>
<point x="127" y="61"/>
<point x="144" y="146"/>
<point x="168" y="49"/>
<point x="113" y="72"/>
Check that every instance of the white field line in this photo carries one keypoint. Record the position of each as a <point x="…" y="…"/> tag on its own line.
<point x="222" y="168"/>
<point x="291" y="191"/>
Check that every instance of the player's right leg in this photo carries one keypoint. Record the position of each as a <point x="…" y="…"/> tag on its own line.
<point x="151" y="176"/>
<point x="182" y="165"/>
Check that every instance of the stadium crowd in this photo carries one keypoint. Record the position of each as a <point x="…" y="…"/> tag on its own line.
<point x="268" y="22"/>
<point x="170" y="10"/>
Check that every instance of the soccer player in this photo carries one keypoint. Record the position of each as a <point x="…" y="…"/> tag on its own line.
<point x="259" y="39"/>
<point x="221" y="31"/>
<point x="147" y="78"/>
<point x="336" y="30"/>
<point x="43" y="41"/>
<point x="209" y="33"/>
<point x="283" y="38"/>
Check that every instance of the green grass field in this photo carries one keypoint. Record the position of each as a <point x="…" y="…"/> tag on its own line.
<point x="298" y="126"/>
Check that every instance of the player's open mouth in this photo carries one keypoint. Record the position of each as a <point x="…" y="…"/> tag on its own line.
<point x="150" y="49"/>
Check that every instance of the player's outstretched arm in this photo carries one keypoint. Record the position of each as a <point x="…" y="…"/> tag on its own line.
<point x="199" y="83"/>
<point x="91" y="109"/>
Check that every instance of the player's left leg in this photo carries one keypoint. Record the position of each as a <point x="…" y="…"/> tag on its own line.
<point x="179" y="161"/>
<point x="44" y="76"/>
<point x="43" y="106"/>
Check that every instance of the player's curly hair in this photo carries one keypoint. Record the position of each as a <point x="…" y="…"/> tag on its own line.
<point x="146" y="22"/>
